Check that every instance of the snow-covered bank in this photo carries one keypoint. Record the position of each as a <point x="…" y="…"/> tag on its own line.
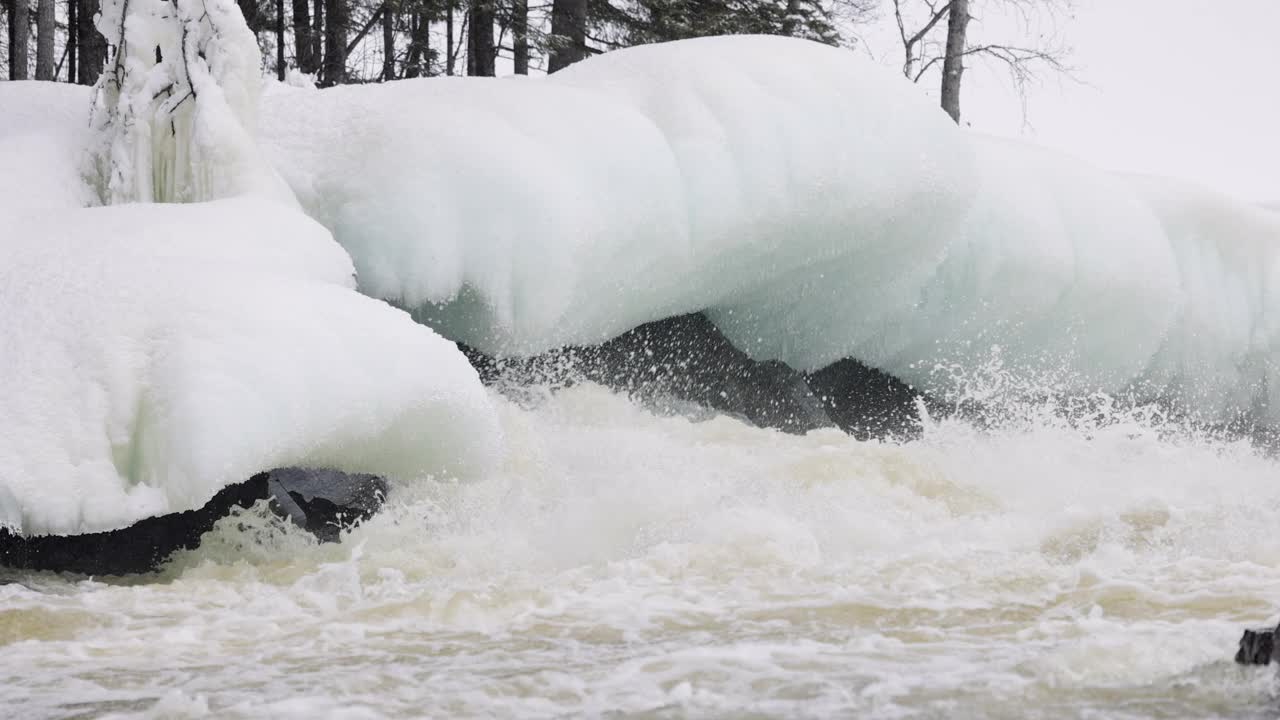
<point x="639" y="185"/>
<point x="813" y="204"/>
<point x="44" y="146"/>
<point x="155" y="353"/>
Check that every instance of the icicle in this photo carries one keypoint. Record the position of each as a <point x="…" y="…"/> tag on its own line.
<point x="175" y="106"/>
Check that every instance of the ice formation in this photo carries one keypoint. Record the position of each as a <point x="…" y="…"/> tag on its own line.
<point x="156" y="353"/>
<point x="813" y="204"/>
<point x="176" y="107"/>
<point x="641" y="184"/>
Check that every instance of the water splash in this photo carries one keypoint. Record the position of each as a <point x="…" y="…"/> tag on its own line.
<point x="622" y="561"/>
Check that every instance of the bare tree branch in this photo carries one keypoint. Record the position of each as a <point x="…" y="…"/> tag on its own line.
<point x="909" y="43"/>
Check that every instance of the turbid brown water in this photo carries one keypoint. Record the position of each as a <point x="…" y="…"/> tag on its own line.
<point x="627" y="564"/>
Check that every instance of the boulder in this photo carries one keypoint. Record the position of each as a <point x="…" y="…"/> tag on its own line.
<point x="868" y="403"/>
<point x="682" y="359"/>
<point x="685" y="359"/>
<point x="320" y="501"/>
<point x="324" y="502"/>
<point x="1257" y="647"/>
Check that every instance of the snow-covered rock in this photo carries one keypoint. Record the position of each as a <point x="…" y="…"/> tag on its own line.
<point x="154" y="354"/>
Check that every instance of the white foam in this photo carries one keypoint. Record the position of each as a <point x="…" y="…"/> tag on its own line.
<point x="620" y="562"/>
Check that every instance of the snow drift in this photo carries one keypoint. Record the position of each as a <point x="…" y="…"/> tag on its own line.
<point x="44" y="141"/>
<point x="155" y="353"/>
<point x="522" y="215"/>
<point x="814" y="205"/>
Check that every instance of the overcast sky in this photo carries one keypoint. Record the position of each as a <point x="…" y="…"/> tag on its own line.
<point x="1188" y="88"/>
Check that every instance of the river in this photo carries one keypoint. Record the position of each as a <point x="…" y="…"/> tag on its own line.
<point x="625" y="563"/>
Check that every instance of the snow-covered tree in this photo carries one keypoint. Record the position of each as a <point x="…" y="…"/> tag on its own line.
<point x="172" y="106"/>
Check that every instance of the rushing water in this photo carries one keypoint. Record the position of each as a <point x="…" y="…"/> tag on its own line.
<point x="627" y="563"/>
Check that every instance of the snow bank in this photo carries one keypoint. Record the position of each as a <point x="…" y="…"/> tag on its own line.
<point x="813" y="204"/>
<point x="156" y="353"/>
<point x="29" y="106"/>
<point x="44" y="133"/>
<point x="521" y="215"/>
<point x="1081" y="279"/>
<point x="1054" y="262"/>
<point x="1222" y="352"/>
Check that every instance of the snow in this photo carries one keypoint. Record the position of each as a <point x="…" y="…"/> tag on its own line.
<point x="174" y="113"/>
<point x="155" y="353"/>
<point x="643" y="183"/>
<point x="42" y="170"/>
<point x="813" y="204"/>
<point x="44" y="131"/>
<point x="28" y="106"/>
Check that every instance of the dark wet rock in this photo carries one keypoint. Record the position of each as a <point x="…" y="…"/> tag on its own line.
<point x="687" y="359"/>
<point x="868" y="403"/>
<point x="320" y="501"/>
<point x="682" y="359"/>
<point x="324" y="502"/>
<point x="1257" y="647"/>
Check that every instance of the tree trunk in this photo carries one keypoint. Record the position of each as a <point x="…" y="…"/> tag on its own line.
<point x="19" y="29"/>
<point x="419" y="58"/>
<point x="953" y="61"/>
<point x="789" y="24"/>
<point x="448" y="39"/>
<point x="44" y="40"/>
<point x="302" y="36"/>
<point x="317" y="39"/>
<point x="520" y="36"/>
<point x="480" y="50"/>
<point x="335" y="42"/>
<point x="468" y="27"/>
<point x="388" y="42"/>
<point x="413" y="53"/>
<point x="92" y="47"/>
<point x="569" y="26"/>
<point x="280" y="40"/>
<point x="71" y="41"/>
<point x="252" y="16"/>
